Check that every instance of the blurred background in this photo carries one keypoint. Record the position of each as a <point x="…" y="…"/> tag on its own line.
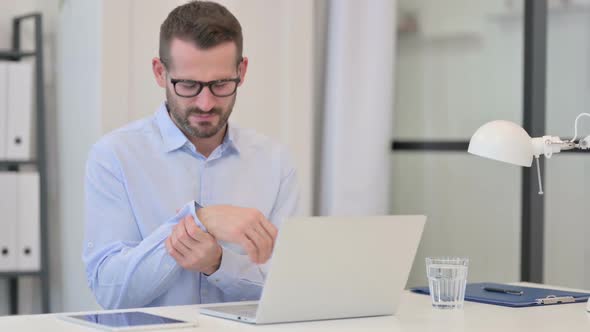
<point x="376" y="99"/>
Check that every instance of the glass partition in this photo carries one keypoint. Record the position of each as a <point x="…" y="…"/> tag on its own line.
<point x="458" y="65"/>
<point x="567" y="226"/>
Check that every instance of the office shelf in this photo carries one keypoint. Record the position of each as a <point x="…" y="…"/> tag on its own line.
<point x="16" y="54"/>
<point x="17" y="162"/>
<point x="19" y="274"/>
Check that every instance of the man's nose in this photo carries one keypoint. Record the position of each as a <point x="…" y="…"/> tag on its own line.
<point x="205" y="100"/>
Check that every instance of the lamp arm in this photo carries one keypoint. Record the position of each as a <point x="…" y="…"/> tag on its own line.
<point x="564" y="145"/>
<point x="576" y="125"/>
<point x="584" y="143"/>
<point x="548" y="145"/>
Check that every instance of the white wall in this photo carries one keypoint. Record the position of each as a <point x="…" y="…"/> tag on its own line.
<point x="277" y="98"/>
<point x="130" y="41"/>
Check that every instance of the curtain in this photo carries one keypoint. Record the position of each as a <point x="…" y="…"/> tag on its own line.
<point x="358" y="108"/>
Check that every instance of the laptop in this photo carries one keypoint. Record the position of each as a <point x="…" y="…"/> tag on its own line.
<point x="333" y="267"/>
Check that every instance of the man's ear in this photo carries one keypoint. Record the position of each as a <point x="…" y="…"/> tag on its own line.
<point x="159" y="72"/>
<point x="243" y="67"/>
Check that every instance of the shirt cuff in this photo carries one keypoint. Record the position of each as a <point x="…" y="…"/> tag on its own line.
<point x="190" y="208"/>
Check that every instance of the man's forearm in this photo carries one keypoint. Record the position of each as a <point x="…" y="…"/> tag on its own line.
<point x="133" y="276"/>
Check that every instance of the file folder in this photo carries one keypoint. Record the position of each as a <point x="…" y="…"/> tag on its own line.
<point x="28" y="243"/>
<point x="531" y="296"/>
<point x="3" y="108"/>
<point x="8" y="221"/>
<point x="19" y="142"/>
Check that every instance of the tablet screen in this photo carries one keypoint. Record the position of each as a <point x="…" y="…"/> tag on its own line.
<point x="126" y="319"/>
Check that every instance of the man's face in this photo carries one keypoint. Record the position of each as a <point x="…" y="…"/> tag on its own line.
<point x="204" y="115"/>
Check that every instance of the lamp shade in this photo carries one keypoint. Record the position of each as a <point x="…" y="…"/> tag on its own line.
<point x="503" y="141"/>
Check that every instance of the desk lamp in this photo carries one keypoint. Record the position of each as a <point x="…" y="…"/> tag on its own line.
<point x="508" y="142"/>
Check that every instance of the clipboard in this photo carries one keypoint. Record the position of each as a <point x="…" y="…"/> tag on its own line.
<point x="531" y="296"/>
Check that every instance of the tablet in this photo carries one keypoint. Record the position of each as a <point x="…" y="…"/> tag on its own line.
<point x="127" y="321"/>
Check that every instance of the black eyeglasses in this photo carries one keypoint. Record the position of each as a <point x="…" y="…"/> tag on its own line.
<point x="219" y="88"/>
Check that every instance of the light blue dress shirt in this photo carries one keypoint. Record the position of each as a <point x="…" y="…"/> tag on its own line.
<point x="138" y="176"/>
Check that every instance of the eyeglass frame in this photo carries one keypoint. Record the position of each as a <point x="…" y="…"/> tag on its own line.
<point x="203" y="84"/>
<point x="208" y="84"/>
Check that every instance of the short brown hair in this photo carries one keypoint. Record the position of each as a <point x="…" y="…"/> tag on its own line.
<point x="205" y="23"/>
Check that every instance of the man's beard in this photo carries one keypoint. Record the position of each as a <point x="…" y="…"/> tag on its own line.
<point x="206" y="130"/>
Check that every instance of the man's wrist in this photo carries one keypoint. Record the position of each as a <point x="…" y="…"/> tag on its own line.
<point x="217" y="265"/>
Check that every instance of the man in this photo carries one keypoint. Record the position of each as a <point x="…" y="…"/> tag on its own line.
<point x="181" y="207"/>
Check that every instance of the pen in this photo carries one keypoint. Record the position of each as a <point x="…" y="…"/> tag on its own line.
<point x="505" y="291"/>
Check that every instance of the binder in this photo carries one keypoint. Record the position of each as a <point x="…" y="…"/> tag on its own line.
<point x="8" y="221"/>
<point x="530" y="296"/>
<point x="20" y="110"/>
<point x="28" y="243"/>
<point x="3" y="107"/>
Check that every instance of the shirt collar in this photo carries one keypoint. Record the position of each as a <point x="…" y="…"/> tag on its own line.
<point x="230" y="141"/>
<point x="174" y="138"/>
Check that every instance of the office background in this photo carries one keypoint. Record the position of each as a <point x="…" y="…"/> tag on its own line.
<point x="447" y="67"/>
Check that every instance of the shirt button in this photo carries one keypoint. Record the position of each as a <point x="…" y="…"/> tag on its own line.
<point x="90" y="245"/>
<point x="217" y="280"/>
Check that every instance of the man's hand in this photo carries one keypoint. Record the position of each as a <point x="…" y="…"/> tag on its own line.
<point x="192" y="248"/>
<point x="246" y="227"/>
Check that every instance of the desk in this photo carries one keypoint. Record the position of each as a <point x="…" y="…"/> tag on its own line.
<point x="415" y="315"/>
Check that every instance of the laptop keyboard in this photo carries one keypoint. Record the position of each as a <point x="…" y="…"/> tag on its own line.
<point x="244" y="310"/>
